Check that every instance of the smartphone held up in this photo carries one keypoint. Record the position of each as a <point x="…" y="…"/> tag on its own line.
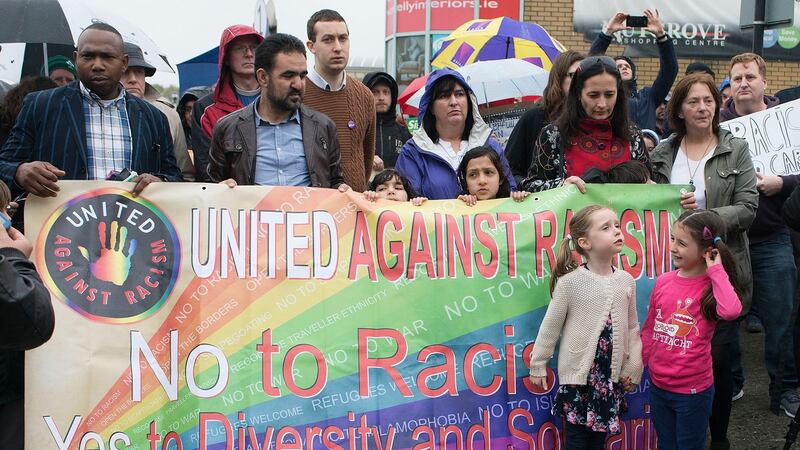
<point x="636" y="21"/>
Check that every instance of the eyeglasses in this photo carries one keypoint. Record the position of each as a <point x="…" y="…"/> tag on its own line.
<point x="243" y="49"/>
<point x="591" y="61"/>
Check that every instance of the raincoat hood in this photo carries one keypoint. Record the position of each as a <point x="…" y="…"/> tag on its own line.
<point x="193" y="93"/>
<point x="230" y="33"/>
<point x="480" y="131"/>
<point x="373" y="78"/>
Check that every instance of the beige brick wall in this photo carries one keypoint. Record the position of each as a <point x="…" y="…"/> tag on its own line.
<point x="556" y="17"/>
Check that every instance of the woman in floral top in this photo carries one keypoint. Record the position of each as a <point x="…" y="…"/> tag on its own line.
<point x="593" y="131"/>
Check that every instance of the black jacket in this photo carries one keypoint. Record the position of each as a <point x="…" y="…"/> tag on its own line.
<point x="390" y="135"/>
<point x="26" y="319"/>
<point x="643" y="102"/>
<point x="522" y="142"/>
<point x="26" y="314"/>
<point x="51" y="127"/>
<point x="193" y="93"/>
<point x="201" y="142"/>
<point x="791" y="210"/>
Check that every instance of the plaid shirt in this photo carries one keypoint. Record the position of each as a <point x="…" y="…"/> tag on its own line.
<point x="108" y="134"/>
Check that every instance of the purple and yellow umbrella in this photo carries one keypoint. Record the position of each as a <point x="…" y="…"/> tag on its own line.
<point x="500" y="38"/>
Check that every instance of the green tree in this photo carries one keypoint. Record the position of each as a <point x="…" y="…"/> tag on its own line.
<point x="169" y="92"/>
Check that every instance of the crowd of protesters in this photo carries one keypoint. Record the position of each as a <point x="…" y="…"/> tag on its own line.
<point x="273" y="119"/>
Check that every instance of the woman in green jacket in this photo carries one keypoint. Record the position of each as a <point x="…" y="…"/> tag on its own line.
<point x="719" y="172"/>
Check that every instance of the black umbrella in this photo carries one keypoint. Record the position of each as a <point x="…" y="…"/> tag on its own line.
<point x="34" y="21"/>
<point x="54" y="22"/>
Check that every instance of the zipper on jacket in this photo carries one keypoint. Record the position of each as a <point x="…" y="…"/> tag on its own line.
<point x="380" y="130"/>
<point x="244" y="150"/>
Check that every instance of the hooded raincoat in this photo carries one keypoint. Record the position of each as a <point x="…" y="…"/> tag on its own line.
<point x="223" y="102"/>
<point x="191" y="94"/>
<point x="429" y="174"/>
<point x="390" y="135"/>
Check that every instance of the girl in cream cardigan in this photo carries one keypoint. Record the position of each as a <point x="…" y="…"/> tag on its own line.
<point x="593" y="310"/>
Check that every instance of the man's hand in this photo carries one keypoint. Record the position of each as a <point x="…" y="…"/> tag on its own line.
<point x="616" y="23"/>
<point x="142" y="181"/>
<point x="230" y="182"/>
<point x="343" y="188"/>
<point x="769" y="185"/>
<point x="377" y="164"/>
<point x="13" y="238"/>
<point x="39" y="178"/>
<point x="654" y="23"/>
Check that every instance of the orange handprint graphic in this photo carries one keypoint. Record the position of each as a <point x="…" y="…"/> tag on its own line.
<point x="113" y="265"/>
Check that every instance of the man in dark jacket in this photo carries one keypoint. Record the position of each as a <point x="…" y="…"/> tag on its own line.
<point x="390" y="135"/>
<point x="774" y="273"/>
<point x="89" y="127"/>
<point x="643" y="103"/>
<point x="236" y="87"/>
<point x="186" y="107"/>
<point x="26" y="322"/>
<point x="276" y="141"/>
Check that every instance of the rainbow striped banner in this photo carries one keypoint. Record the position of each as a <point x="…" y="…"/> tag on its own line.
<point x="200" y="317"/>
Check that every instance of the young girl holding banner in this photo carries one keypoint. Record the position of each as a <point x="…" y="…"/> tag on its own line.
<point x="391" y="185"/>
<point x="593" y="309"/>
<point x="482" y="177"/>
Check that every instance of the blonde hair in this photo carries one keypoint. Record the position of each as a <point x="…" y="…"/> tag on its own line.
<point x="579" y="227"/>
<point x="5" y="196"/>
<point x="744" y="58"/>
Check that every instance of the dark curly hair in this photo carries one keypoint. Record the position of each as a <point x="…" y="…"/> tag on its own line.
<point x="389" y="175"/>
<point x="13" y="101"/>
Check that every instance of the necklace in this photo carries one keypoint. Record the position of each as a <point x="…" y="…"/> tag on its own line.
<point x="692" y="173"/>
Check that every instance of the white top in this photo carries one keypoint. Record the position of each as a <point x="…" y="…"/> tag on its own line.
<point x="317" y="79"/>
<point x="577" y="314"/>
<point x="683" y="168"/>
<point x="445" y="150"/>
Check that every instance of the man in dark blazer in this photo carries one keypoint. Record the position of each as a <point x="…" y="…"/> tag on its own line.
<point x="86" y="129"/>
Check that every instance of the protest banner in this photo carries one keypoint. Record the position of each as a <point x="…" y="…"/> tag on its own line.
<point x="200" y="317"/>
<point x="773" y="136"/>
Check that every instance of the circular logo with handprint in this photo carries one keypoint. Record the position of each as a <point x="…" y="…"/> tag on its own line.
<point x="111" y="257"/>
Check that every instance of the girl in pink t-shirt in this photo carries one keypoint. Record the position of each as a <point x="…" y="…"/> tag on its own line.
<point x="676" y="337"/>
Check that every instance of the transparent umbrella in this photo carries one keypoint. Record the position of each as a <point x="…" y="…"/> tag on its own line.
<point x="499" y="80"/>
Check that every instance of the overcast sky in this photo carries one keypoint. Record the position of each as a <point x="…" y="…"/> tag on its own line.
<point x="184" y="29"/>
